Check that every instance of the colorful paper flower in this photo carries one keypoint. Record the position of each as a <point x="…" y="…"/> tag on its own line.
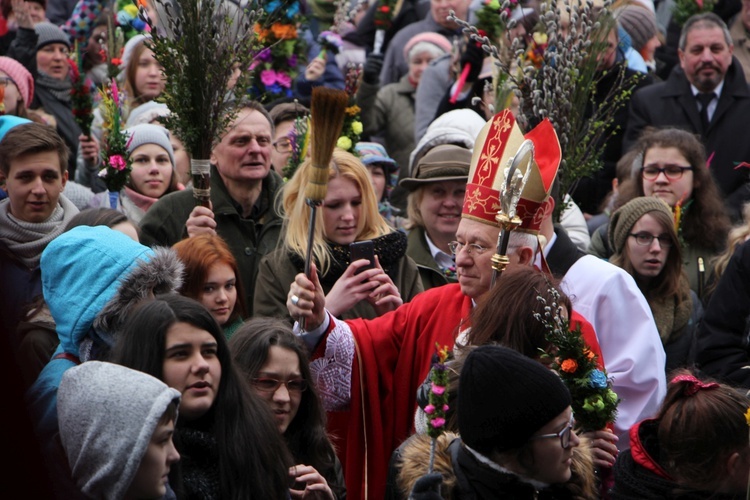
<point x="344" y="143"/>
<point x="597" y="379"/>
<point x="357" y="127"/>
<point x="117" y="162"/>
<point x="569" y="366"/>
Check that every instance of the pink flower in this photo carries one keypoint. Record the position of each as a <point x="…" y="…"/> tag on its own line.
<point x="429" y="409"/>
<point x="446" y="408"/>
<point x="284" y="80"/>
<point x="437" y="423"/>
<point x="254" y="64"/>
<point x="700" y="4"/>
<point x="115" y="92"/>
<point x="438" y="390"/>
<point x="117" y="162"/>
<point x="268" y="77"/>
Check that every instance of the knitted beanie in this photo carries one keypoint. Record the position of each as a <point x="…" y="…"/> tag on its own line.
<point x="107" y="415"/>
<point x="624" y="219"/>
<point x="20" y="76"/>
<point x="640" y="24"/>
<point x="48" y="33"/>
<point x="504" y="398"/>
<point x="149" y="134"/>
<point x="436" y="39"/>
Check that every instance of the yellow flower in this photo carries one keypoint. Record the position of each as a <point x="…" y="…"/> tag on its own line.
<point x="131" y="9"/>
<point x="747" y="416"/>
<point x="344" y="143"/>
<point x="357" y="127"/>
<point x="352" y="110"/>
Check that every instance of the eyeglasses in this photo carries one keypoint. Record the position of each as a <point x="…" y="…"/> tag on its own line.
<point x="5" y="81"/>
<point x="272" y="385"/>
<point x="282" y="146"/>
<point x="564" y="435"/>
<point x="673" y="172"/>
<point x="471" y="248"/>
<point x="645" y="239"/>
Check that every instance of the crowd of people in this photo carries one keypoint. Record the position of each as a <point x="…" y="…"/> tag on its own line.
<point x="245" y="347"/>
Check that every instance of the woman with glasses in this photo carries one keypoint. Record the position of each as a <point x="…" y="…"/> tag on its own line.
<point x="646" y="245"/>
<point x="696" y="447"/>
<point x="673" y="167"/>
<point x="515" y="439"/>
<point x="354" y="288"/>
<point x="275" y="364"/>
<point x="225" y="435"/>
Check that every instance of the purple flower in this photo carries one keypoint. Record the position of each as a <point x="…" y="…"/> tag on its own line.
<point x="268" y="77"/>
<point x="265" y="55"/>
<point x="292" y="61"/>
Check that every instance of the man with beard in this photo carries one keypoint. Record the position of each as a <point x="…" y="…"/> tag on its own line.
<point x="707" y="95"/>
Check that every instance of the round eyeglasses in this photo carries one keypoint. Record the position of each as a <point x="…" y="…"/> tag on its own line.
<point x="471" y="248"/>
<point x="645" y="239"/>
<point x="564" y="435"/>
<point x="272" y="385"/>
<point x="672" y="172"/>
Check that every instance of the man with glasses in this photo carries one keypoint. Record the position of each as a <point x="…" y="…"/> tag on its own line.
<point x="284" y="117"/>
<point x="371" y="397"/>
<point x="708" y="96"/>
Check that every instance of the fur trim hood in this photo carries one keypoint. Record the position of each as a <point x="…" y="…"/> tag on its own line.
<point x="162" y="273"/>
<point x="415" y="452"/>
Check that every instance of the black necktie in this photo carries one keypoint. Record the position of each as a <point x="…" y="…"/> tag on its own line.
<point x="705" y="98"/>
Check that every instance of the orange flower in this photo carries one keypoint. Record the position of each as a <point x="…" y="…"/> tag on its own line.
<point x="284" y="31"/>
<point x="262" y="33"/>
<point x="569" y="366"/>
<point x="589" y="353"/>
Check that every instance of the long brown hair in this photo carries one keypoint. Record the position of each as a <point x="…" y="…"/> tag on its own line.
<point x="667" y="282"/>
<point x="505" y="315"/>
<point x="705" y="223"/>
<point x="699" y="430"/>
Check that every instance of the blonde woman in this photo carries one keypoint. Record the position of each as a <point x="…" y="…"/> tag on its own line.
<point x="349" y="214"/>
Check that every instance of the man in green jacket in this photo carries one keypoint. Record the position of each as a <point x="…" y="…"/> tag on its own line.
<point x="243" y="189"/>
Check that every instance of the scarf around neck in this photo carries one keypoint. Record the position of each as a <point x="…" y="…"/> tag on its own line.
<point x="58" y="88"/>
<point x="27" y="240"/>
<point x="136" y="204"/>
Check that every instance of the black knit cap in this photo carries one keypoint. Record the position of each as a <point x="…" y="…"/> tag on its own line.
<point x="504" y="398"/>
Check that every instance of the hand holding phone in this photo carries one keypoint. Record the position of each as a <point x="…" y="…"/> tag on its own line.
<point x="362" y="250"/>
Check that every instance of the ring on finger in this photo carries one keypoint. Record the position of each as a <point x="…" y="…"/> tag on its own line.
<point x="294" y="299"/>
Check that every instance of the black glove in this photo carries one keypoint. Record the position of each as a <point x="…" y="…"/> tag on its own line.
<point x="371" y="71"/>
<point x="427" y="487"/>
<point x="474" y="55"/>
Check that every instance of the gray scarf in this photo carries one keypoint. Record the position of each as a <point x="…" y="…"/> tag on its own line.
<point x="27" y="240"/>
<point x="58" y="88"/>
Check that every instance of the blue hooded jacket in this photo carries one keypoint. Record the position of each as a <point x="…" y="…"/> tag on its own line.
<point x="81" y="272"/>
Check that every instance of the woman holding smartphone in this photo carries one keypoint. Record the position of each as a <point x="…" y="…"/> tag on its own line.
<point x="362" y="288"/>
